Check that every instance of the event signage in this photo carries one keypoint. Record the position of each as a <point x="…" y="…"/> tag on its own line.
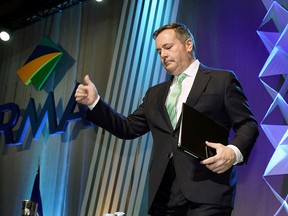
<point x="41" y="63"/>
<point x="37" y="69"/>
<point x="37" y="122"/>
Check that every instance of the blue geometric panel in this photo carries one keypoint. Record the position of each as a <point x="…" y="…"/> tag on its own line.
<point x="273" y="32"/>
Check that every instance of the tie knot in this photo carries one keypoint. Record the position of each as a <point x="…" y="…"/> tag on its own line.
<point x="181" y="77"/>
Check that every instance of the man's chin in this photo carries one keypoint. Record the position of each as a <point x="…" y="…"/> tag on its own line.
<point x="169" y="70"/>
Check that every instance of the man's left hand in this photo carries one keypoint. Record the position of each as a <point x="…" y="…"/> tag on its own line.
<point x="223" y="160"/>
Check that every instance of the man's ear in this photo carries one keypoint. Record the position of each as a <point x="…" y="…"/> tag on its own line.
<point x="189" y="45"/>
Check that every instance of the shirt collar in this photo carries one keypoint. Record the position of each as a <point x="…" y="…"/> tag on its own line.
<point x="193" y="68"/>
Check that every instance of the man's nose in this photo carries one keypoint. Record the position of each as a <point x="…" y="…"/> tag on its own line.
<point x="163" y="55"/>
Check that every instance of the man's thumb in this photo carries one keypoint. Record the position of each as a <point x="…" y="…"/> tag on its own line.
<point x="211" y="144"/>
<point x="87" y="80"/>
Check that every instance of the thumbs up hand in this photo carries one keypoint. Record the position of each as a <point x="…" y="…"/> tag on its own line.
<point x="86" y="93"/>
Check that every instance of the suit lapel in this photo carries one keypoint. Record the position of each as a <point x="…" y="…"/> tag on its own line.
<point x="201" y="80"/>
<point x="163" y="97"/>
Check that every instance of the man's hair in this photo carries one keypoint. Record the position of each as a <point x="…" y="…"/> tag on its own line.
<point x="182" y="33"/>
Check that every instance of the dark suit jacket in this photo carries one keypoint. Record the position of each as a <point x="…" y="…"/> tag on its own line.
<point x="216" y="93"/>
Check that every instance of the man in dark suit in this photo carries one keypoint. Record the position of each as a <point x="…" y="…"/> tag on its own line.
<point x="179" y="184"/>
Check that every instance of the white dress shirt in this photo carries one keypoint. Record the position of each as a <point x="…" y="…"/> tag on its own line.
<point x="186" y="86"/>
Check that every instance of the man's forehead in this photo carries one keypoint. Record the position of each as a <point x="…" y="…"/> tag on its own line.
<point x="167" y="32"/>
<point x="166" y="36"/>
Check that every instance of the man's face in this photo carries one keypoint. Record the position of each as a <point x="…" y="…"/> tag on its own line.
<point x="175" y="56"/>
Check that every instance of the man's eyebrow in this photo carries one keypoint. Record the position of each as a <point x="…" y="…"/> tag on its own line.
<point x="165" y="45"/>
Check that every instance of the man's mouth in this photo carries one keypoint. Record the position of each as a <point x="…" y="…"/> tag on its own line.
<point x="167" y="62"/>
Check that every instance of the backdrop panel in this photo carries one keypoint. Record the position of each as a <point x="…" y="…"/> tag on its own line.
<point x="83" y="169"/>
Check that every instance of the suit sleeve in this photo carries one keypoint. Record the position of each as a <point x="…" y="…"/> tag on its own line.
<point x="123" y="127"/>
<point x="241" y="117"/>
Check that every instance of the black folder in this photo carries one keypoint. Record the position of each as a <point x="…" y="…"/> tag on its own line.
<point x="195" y="129"/>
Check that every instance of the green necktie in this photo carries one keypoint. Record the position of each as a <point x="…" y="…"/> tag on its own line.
<point x="173" y="98"/>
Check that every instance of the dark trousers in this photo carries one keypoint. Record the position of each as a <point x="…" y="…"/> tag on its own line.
<point x="170" y="201"/>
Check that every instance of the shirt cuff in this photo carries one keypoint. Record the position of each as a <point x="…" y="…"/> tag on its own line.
<point x="94" y="104"/>
<point x="239" y="156"/>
